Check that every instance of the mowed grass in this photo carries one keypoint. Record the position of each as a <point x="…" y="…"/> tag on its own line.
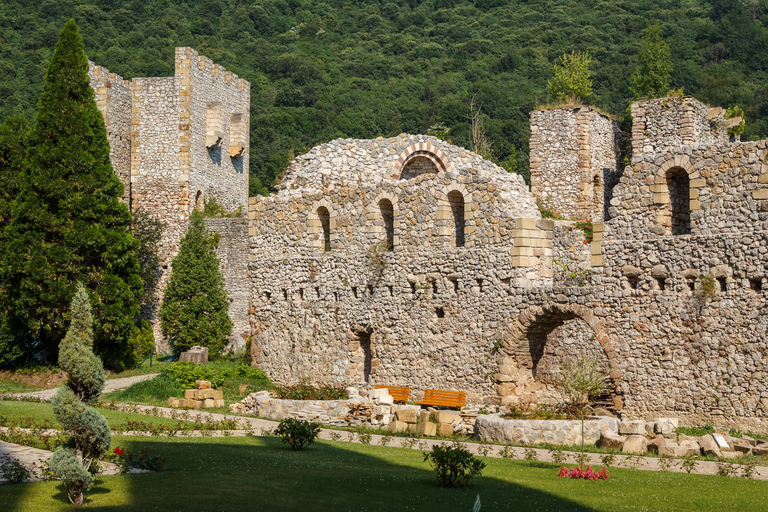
<point x="262" y="473"/>
<point x="40" y="411"/>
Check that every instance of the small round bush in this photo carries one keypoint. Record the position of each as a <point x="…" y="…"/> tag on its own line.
<point x="297" y="433"/>
<point x="454" y="465"/>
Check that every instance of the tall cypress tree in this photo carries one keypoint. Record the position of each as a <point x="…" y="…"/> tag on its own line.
<point x="651" y="78"/>
<point x="68" y="223"/>
<point x="194" y="307"/>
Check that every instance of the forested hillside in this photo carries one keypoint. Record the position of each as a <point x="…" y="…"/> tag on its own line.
<point x="321" y="70"/>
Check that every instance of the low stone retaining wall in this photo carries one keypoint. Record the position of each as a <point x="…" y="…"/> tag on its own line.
<point x="323" y="411"/>
<point x="493" y="427"/>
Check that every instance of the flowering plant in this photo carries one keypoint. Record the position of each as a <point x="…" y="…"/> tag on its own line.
<point x="583" y="474"/>
<point x="118" y="451"/>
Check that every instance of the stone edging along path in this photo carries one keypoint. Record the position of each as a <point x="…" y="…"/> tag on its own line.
<point x="251" y="426"/>
<point x="256" y="426"/>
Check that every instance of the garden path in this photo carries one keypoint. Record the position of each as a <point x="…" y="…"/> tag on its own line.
<point x="109" y="386"/>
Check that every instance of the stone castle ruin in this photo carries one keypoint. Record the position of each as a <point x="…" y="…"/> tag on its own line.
<point x="409" y="261"/>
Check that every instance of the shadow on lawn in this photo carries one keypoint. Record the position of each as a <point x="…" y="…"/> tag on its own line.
<point x="264" y="474"/>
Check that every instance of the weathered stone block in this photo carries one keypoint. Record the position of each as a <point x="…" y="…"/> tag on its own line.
<point x="665" y="425"/>
<point x="426" y="428"/>
<point x="398" y="426"/>
<point x="190" y="393"/>
<point x="406" y="415"/>
<point x="445" y="430"/>
<point x="196" y="354"/>
<point x="202" y="384"/>
<point x="611" y="440"/>
<point x="632" y="427"/>
<point x="635" y="444"/>
<point x="709" y="446"/>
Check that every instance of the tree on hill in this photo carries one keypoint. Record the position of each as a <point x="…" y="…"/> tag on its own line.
<point x="571" y="83"/>
<point x="72" y="462"/>
<point x="68" y="223"/>
<point x="651" y="78"/>
<point x="194" y="307"/>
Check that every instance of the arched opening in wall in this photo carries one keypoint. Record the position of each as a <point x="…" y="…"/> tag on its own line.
<point x="199" y="201"/>
<point x="456" y="200"/>
<point x="325" y="223"/>
<point x="388" y="216"/>
<point x="418" y="165"/>
<point x="553" y="338"/>
<point x="679" y="187"/>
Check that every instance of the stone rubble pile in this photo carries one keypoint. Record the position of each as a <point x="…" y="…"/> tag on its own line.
<point x="203" y="396"/>
<point x="659" y="436"/>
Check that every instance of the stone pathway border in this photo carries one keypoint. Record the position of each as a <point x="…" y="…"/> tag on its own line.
<point x="257" y="426"/>
<point x="30" y="458"/>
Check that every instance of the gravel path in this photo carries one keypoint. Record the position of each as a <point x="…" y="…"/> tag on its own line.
<point x="109" y="386"/>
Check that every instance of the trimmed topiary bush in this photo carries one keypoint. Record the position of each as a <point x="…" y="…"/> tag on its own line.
<point x="90" y="435"/>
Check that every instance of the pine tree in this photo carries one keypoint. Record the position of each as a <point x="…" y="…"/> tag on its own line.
<point x="651" y="79"/>
<point x="194" y="307"/>
<point x="90" y="431"/>
<point x="68" y="223"/>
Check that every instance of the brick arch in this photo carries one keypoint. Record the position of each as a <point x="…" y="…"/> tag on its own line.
<point x="314" y="224"/>
<point x="517" y="356"/>
<point x="444" y="221"/>
<point x="422" y="149"/>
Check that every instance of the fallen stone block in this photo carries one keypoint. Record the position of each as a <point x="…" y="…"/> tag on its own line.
<point x="761" y="449"/>
<point x="424" y="416"/>
<point x="657" y="442"/>
<point x="742" y="447"/>
<point x="445" y="429"/>
<point x="426" y="428"/>
<point x="444" y="416"/>
<point x="632" y="427"/>
<point x="731" y="455"/>
<point x="208" y="403"/>
<point x="635" y="444"/>
<point x="691" y="448"/>
<point x="196" y="354"/>
<point x="171" y="400"/>
<point x="709" y="446"/>
<point x="385" y="400"/>
<point x="380" y="410"/>
<point x="202" y="384"/>
<point x="672" y="451"/>
<point x="406" y="415"/>
<point x="190" y="394"/>
<point x="665" y="425"/>
<point x="398" y="426"/>
<point x="610" y="440"/>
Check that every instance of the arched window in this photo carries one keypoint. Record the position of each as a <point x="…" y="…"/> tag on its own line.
<point x="388" y="216"/>
<point x="199" y="201"/>
<point x="456" y="200"/>
<point x="325" y="222"/>
<point x="678" y="185"/>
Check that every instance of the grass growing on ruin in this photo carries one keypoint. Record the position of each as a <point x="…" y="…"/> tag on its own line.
<point x="262" y="473"/>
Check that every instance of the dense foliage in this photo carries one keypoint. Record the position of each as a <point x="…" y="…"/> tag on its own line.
<point x="305" y="391"/>
<point x="297" y="433"/>
<point x="320" y="70"/>
<point x="89" y="430"/>
<point x="195" y="305"/>
<point x="187" y="373"/>
<point x="454" y="465"/>
<point x="651" y="79"/>
<point x="67" y="223"/>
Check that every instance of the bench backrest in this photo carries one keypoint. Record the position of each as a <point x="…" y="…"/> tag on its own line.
<point x="398" y="393"/>
<point x="445" y="398"/>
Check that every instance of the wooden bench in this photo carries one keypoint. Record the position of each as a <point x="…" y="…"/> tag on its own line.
<point x="444" y="398"/>
<point x="398" y="393"/>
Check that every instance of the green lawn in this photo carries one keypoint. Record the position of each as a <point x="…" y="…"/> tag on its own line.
<point x="262" y="473"/>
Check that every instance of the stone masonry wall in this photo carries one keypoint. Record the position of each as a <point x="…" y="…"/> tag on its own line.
<point x="113" y="98"/>
<point x="573" y="155"/>
<point x="232" y="252"/>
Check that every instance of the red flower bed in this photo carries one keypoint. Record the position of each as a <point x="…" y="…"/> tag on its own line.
<point x="583" y="474"/>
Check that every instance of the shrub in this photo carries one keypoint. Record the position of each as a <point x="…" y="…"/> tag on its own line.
<point x="90" y="434"/>
<point x="571" y="82"/>
<point x="297" y="433"/>
<point x="304" y="391"/>
<point x="141" y="342"/>
<point x="13" y="471"/>
<point x="187" y="373"/>
<point x="454" y="465"/>
<point x="149" y="460"/>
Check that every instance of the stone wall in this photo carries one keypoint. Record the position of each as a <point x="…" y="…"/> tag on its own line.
<point x="573" y="156"/>
<point x="113" y="98"/>
<point x="232" y="251"/>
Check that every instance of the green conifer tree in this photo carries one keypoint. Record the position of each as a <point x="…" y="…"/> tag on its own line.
<point x="651" y="79"/>
<point x="13" y="150"/>
<point x="194" y="307"/>
<point x="90" y="434"/>
<point x="68" y="223"/>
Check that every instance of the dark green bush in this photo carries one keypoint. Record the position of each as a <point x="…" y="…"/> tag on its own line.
<point x="454" y="465"/>
<point x="13" y="472"/>
<point x="141" y="342"/>
<point x="297" y="433"/>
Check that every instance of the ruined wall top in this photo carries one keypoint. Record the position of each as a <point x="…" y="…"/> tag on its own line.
<point x="365" y="162"/>
<point x="665" y="125"/>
